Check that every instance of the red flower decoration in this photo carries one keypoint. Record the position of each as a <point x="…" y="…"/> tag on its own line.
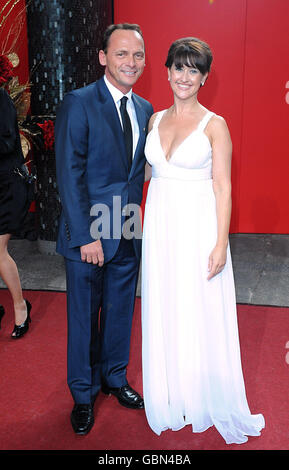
<point x="48" y="134"/>
<point x="6" y="69"/>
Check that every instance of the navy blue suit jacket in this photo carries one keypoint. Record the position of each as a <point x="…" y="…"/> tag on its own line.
<point x="92" y="166"/>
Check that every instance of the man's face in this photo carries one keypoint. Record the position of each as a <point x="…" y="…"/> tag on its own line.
<point x="124" y="59"/>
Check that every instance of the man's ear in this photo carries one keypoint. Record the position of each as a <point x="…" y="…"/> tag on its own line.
<point x="102" y="57"/>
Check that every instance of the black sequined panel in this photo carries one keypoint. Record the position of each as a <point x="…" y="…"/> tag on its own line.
<point x="64" y="37"/>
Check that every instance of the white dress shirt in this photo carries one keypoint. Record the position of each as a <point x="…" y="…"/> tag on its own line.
<point x="117" y="95"/>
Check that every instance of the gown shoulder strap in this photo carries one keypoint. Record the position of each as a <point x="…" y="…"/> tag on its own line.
<point x="158" y="118"/>
<point x="205" y="120"/>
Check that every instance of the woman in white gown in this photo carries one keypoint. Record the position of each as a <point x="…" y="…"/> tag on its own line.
<point x="192" y="371"/>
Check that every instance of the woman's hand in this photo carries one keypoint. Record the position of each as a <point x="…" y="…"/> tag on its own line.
<point x="217" y="261"/>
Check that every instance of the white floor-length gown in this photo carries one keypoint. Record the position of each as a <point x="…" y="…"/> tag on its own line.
<point x="192" y="371"/>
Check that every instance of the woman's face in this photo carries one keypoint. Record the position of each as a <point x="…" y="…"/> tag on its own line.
<point x="185" y="81"/>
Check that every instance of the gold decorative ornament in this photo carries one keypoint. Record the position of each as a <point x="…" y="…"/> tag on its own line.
<point x="14" y="59"/>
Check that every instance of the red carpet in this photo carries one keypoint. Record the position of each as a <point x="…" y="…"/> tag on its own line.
<point x="36" y="404"/>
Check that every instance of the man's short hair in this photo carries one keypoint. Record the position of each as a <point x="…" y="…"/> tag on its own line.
<point x="113" y="27"/>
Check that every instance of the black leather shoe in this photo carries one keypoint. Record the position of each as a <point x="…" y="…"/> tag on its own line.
<point x="126" y="396"/>
<point x="82" y="419"/>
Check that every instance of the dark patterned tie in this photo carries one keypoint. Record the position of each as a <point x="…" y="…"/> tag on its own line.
<point x="127" y="130"/>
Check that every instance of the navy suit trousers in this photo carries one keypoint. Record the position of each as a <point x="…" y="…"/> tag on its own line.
<point x="100" y="305"/>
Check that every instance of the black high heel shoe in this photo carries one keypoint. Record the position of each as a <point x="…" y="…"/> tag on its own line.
<point x="2" y="313"/>
<point x="20" y="330"/>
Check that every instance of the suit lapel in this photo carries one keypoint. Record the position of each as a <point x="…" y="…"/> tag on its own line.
<point x="109" y="113"/>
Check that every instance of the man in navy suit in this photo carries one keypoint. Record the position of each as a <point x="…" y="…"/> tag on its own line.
<point x="100" y="135"/>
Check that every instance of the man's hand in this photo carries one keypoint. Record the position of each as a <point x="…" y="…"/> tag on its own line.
<point x="92" y="253"/>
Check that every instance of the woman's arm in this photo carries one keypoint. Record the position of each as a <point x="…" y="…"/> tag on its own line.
<point x="148" y="172"/>
<point x="148" y="168"/>
<point x="222" y="155"/>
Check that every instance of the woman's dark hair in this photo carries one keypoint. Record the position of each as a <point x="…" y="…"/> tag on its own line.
<point x="191" y="52"/>
<point x="113" y="27"/>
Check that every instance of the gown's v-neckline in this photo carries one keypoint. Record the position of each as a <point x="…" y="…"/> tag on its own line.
<point x="189" y="135"/>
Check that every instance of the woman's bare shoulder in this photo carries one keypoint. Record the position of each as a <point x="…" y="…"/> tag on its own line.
<point x="217" y="126"/>
<point x="153" y="118"/>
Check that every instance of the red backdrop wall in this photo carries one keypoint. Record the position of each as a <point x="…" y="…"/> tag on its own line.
<point x="248" y="86"/>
